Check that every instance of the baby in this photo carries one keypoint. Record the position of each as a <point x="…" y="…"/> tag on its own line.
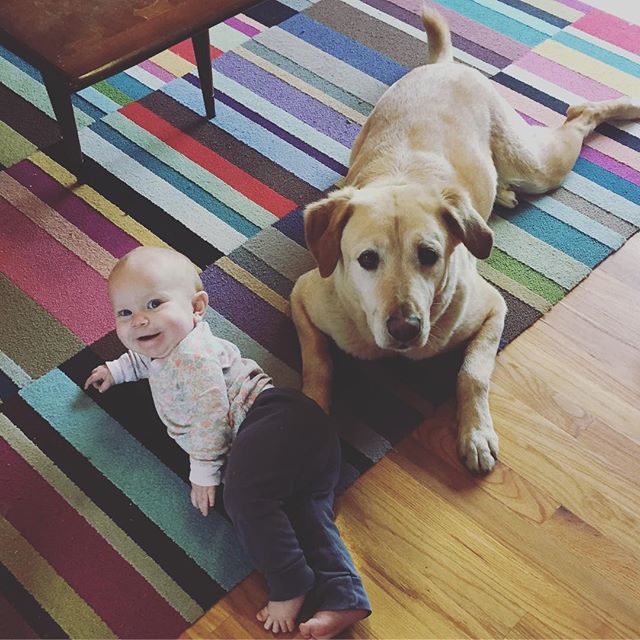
<point x="278" y="450"/>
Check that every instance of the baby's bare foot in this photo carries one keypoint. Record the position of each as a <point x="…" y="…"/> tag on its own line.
<point x="328" y="624"/>
<point x="279" y="616"/>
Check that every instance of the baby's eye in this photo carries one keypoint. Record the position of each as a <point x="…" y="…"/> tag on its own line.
<point x="154" y="304"/>
<point x="123" y="313"/>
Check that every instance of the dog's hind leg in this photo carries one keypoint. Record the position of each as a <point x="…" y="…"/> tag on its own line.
<point x="537" y="159"/>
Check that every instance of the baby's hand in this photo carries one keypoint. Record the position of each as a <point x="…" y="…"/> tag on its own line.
<point x="100" y="378"/>
<point x="203" y="497"/>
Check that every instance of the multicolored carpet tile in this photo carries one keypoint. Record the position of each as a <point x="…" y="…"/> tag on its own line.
<point x="97" y="535"/>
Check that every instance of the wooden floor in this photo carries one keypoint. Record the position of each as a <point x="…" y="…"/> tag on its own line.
<point x="546" y="546"/>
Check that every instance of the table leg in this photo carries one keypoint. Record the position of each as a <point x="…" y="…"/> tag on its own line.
<point x="203" y="59"/>
<point x="60" y="96"/>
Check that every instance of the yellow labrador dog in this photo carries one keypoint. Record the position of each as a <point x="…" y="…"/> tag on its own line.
<point x="396" y="248"/>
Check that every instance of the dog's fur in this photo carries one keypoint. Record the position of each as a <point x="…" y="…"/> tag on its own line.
<point x="396" y="248"/>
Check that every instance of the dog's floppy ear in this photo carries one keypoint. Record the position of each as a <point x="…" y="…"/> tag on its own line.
<point x="324" y="222"/>
<point x="467" y="224"/>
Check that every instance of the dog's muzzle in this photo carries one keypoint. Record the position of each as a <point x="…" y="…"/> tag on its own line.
<point x="404" y="327"/>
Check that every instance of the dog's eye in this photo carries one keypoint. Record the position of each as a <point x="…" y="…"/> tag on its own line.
<point x="369" y="260"/>
<point x="427" y="257"/>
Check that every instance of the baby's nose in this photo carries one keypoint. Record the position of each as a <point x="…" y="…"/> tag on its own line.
<point x="140" y="319"/>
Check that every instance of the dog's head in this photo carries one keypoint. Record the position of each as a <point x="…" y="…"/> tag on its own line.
<point x="389" y="251"/>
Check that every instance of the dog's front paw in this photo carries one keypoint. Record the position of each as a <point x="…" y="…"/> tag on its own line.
<point x="478" y="449"/>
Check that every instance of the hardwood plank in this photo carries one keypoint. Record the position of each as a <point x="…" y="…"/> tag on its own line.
<point x="616" y="355"/>
<point x="531" y="627"/>
<point x="610" y="561"/>
<point x="607" y="303"/>
<point x="565" y="384"/>
<point x="447" y="557"/>
<point x="432" y="447"/>
<point x="623" y="264"/>
<point x="514" y="528"/>
<point x="554" y="461"/>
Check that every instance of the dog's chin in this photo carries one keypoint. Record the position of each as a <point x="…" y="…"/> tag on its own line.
<point x="390" y="344"/>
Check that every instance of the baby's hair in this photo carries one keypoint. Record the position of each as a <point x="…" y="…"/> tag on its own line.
<point x="143" y="254"/>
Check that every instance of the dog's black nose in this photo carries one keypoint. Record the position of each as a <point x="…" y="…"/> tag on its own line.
<point x="404" y="328"/>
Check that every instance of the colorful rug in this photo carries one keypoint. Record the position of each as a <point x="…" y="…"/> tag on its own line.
<point x="97" y="535"/>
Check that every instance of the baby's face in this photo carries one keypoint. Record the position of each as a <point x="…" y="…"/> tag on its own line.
<point x="154" y="309"/>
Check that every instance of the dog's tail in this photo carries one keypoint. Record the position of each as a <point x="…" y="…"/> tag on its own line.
<point x="438" y="36"/>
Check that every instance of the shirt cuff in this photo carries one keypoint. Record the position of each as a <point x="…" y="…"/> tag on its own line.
<point x="206" y="473"/>
<point x="115" y="368"/>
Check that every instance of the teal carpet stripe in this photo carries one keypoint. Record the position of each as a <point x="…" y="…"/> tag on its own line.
<point x="608" y="180"/>
<point x="526" y="15"/>
<point x="21" y="64"/>
<point x="496" y="21"/>
<point x="557" y="234"/>
<point x="99" y="100"/>
<point x="175" y="179"/>
<point x="577" y="220"/>
<point x="152" y="487"/>
<point x="90" y="108"/>
<point x="598" y="53"/>
<point x="129" y="86"/>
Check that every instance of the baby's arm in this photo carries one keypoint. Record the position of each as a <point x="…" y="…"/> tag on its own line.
<point x="129" y="367"/>
<point x="207" y="435"/>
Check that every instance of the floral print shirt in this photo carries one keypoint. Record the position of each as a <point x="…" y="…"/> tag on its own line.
<point x="202" y="392"/>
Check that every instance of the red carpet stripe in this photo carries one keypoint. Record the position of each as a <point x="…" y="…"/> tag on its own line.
<point x="53" y="276"/>
<point x="95" y="571"/>
<point x="611" y="29"/>
<point x="216" y="164"/>
<point x="73" y="208"/>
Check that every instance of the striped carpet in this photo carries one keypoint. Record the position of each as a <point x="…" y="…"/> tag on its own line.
<point x="97" y="535"/>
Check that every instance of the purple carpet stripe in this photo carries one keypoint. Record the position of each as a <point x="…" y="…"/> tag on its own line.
<point x="157" y="71"/>
<point x="312" y="152"/>
<point x="73" y="209"/>
<point x="610" y="164"/>
<point x="576" y="4"/>
<point x="287" y="137"/>
<point x="242" y="27"/>
<point x="478" y="51"/>
<point x="253" y="315"/>
<point x="298" y="104"/>
<point x="293" y="227"/>
<point x="530" y="120"/>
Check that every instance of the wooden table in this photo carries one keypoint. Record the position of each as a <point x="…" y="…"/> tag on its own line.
<point x="76" y="43"/>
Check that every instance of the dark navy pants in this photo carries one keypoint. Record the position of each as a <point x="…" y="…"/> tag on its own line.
<point x="279" y="490"/>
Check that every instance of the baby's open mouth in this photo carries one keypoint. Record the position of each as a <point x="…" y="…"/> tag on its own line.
<point x="149" y="337"/>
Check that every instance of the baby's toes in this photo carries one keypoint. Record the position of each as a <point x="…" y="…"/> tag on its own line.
<point x="262" y="614"/>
